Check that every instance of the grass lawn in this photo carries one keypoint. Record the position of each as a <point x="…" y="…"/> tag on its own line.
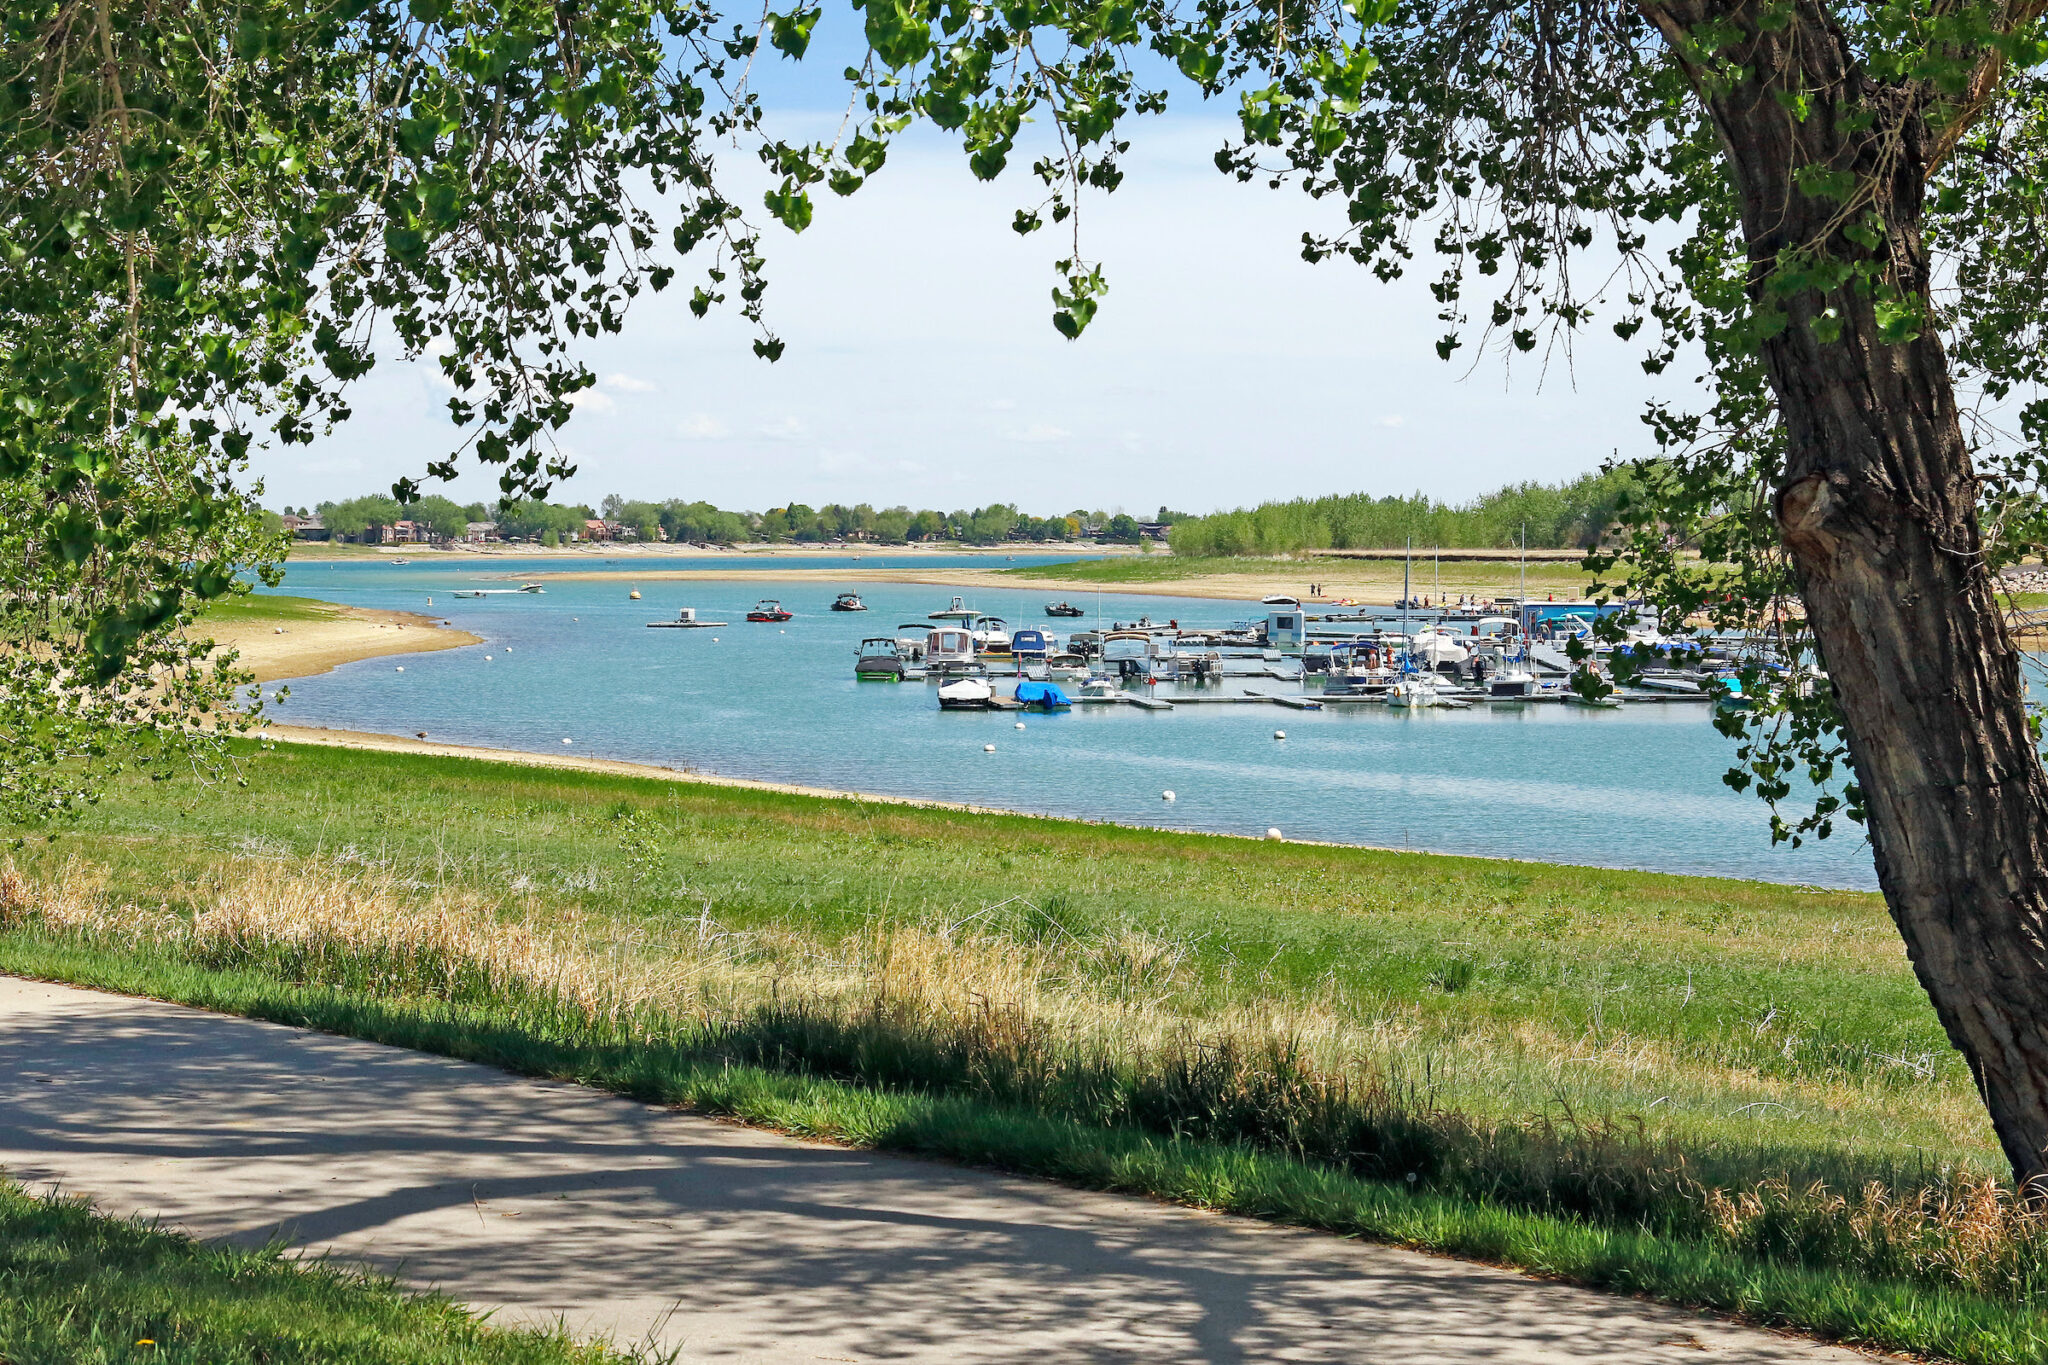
<point x="266" y="609"/>
<point x="1726" y="1093"/>
<point x="76" y="1286"/>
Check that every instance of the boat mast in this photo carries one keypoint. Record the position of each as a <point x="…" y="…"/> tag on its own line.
<point x="1407" y="561"/>
<point x="1524" y="590"/>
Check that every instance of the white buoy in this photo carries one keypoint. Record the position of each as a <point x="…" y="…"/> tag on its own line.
<point x="401" y="668"/>
<point x="714" y="639"/>
<point x="988" y="748"/>
<point x="1168" y="795"/>
<point x="634" y="595"/>
<point x="508" y="649"/>
<point x="565" y="739"/>
<point x="1272" y="834"/>
<point x="487" y="658"/>
<point x="1279" y="734"/>
<point x="1020" y="725"/>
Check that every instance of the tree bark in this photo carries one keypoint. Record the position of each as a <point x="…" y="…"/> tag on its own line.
<point x="1877" y="508"/>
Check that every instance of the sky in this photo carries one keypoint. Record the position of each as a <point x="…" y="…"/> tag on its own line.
<point x="922" y="367"/>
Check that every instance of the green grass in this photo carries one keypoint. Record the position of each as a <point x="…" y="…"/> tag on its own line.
<point x="1571" y="1061"/>
<point x="76" y="1286"/>
<point x="266" y="609"/>
<point x="1458" y="576"/>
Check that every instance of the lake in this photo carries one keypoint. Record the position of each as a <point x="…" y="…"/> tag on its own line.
<point x="1638" y="787"/>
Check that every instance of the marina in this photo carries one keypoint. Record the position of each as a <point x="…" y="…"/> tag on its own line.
<point x="1534" y="776"/>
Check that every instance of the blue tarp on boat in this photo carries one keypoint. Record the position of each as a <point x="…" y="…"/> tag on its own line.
<point x="1042" y="694"/>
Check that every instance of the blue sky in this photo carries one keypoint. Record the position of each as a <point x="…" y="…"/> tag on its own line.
<point x="922" y="366"/>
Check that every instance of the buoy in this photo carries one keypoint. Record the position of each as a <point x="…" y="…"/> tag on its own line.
<point x="1272" y="834"/>
<point x="1279" y="734"/>
<point x="988" y="748"/>
<point x="565" y="739"/>
<point x="634" y="595"/>
<point x="430" y="601"/>
<point x="1020" y="725"/>
<point x="1168" y="795"/>
<point x="714" y="639"/>
<point x="401" y="668"/>
<point x="487" y="658"/>
<point x="280" y="630"/>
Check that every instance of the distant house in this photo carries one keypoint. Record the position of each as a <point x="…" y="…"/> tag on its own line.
<point x="480" y="532"/>
<point x="596" y="529"/>
<point x="407" y="533"/>
<point x="305" y="528"/>
<point x="1155" y="530"/>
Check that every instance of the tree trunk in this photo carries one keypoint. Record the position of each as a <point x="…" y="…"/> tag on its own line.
<point x="1878" y="510"/>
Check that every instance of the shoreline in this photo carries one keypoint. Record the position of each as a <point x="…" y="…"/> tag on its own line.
<point x="374" y="742"/>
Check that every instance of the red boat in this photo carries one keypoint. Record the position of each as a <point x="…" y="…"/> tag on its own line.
<point x="767" y="610"/>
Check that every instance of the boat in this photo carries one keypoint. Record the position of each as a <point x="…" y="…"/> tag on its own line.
<point x="1063" y="609"/>
<point x="1417" y="690"/>
<point x="910" y="641"/>
<point x="1281" y="599"/>
<point x="966" y="694"/>
<point x="1030" y="645"/>
<point x="950" y="650"/>
<point x="686" y="619"/>
<point x="500" y="592"/>
<point x="1360" y="668"/>
<point x="1100" y="689"/>
<point x="397" y="562"/>
<point x="848" y="601"/>
<point x="1516" y="684"/>
<point x="992" y="636"/>
<point x="959" y="612"/>
<point x="767" y="609"/>
<point x="879" y="660"/>
<point x="1066" y="667"/>
<point x="1038" y="696"/>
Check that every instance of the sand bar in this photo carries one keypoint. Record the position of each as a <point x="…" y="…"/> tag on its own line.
<point x="274" y="650"/>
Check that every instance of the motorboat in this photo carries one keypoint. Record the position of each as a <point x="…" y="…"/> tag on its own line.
<point x="1515" y="684"/>
<point x="1063" y="609"/>
<point x="966" y="694"/>
<point x="848" y="601"/>
<point x="1066" y="667"/>
<point x="1360" y="668"/>
<point x="910" y="641"/>
<point x="767" y="609"/>
<point x="992" y="636"/>
<point x="1030" y="646"/>
<point x="686" y="619"/>
<point x="1038" y="696"/>
<point x="879" y="660"/>
<point x="950" y="650"/>
<point x="959" y="613"/>
<point x="500" y="592"/>
<point x="1100" y="689"/>
<point x="1281" y="599"/>
<point x="1437" y="650"/>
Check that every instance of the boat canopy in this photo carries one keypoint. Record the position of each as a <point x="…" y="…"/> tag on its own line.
<point x="1042" y="693"/>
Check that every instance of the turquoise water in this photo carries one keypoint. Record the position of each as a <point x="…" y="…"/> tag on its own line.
<point x="1638" y="787"/>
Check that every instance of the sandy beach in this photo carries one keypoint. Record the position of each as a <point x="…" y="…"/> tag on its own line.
<point x="1343" y="581"/>
<point x="303" y="646"/>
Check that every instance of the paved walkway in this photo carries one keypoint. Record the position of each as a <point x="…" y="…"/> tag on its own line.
<point x="727" y="1244"/>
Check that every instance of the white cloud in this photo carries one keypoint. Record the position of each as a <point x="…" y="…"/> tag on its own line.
<point x="1004" y="405"/>
<point x="701" y="426"/>
<point x="1038" y="433"/>
<point x="787" y="429"/>
<point x="590" y="400"/>
<point x="626" y="383"/>
<point x="1394" y="420"/>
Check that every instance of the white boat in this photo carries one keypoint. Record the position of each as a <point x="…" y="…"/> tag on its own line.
<point x="1100" y="689"/>
<point x="1417" y="690"/>
<point x="959" y="612"/>
<point x="966" y="694"/>
<point x="1514" y="685"/>
<point x="1066" y="667"/>
<point x="686" y="619"/>
<point x="1434" y="648"/>
<point x="950" y="649"/>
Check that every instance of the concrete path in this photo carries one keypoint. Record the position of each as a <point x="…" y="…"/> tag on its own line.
<point x="723" y="1243"/>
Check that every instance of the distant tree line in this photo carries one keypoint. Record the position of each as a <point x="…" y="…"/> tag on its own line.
<point x="1557" y="516"/>
<point x="678" y="520"/>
